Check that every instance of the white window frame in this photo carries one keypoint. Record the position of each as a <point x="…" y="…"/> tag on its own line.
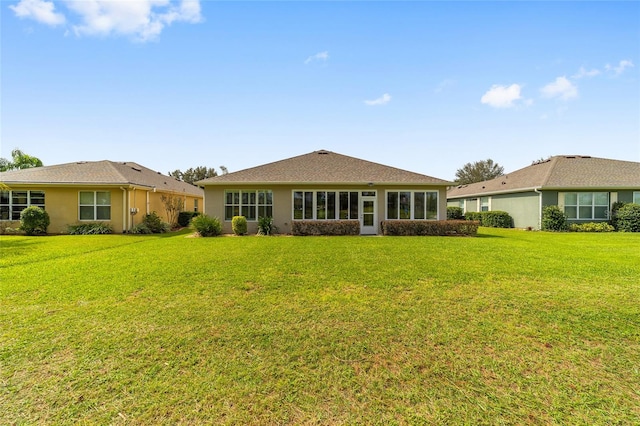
<point x="242" y="206"/>
<point x="95" y="206"/>
<point x="195" y="204"/>
<point x="411" y="204"/>
<point x="593" y="205"/>
<point x="337" y="192"/>
<point x="10" y="207"/>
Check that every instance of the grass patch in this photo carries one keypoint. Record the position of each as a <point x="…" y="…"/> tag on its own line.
<point x="511" y="327"/>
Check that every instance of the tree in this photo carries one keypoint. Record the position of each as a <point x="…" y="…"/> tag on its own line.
<point x="478" y="171"/>
<point x="20" y="160"/>
<point x="173" y="206"/>
<point x="192" y="175"/>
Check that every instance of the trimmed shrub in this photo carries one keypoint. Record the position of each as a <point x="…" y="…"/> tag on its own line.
<point x="34" y="221"/>
<point x="325" y="227"/>
<point x="554" y="219"/>
<point x="591" y="227"/>
<point x="266" y="226"/>
<point x="155" y="223"/>
<point x="206" y="226"/>
<point x="239" y="225"/>
<point x="455" y="213"/>
<point x="628" y="218"/>
<point x="140" y="228"/>
<point x="184" y="218"/>
<point x="89" y="229"/>
<point x="496" y="219"/>
<point x="474" y="216"/>
<point x="614" y="213"/>
<point x="430" y="227"/>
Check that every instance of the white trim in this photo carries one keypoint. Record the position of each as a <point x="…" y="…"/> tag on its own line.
<point x="412" y="201"/>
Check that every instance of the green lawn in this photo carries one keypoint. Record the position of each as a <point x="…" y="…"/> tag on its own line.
<point x="510" y="327"/>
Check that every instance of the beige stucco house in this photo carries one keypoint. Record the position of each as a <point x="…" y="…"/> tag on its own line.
<point x="324" y="186"/>
<point x="115" y="193"/>
<point x="584" y="187"/>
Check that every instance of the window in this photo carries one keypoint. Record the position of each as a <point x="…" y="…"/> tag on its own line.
<point x="13" y="202"/>
<point x="484" y="204"/>
<point x="251" y="204"/>
<point x="416" y="205"/>
<point x="195" y="205"/>
<point x="636" y="197"/>
<point x="326" y="205"/>
<point x="95" y="205"/>
<point x="586" y="205"/>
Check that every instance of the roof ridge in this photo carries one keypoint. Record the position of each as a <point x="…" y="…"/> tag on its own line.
<point x="553" y="160"/>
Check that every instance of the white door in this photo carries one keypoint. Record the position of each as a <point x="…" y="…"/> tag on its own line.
<point x="368" y="216"/>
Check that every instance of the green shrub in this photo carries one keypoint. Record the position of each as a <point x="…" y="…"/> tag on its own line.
<point x="206" y="226"/>
<point x="430" y="227"/>
<point x="239" y="225"/>
<point x="155" y="224"/>
<point x="614" y="213"/>
<point x="185" y="217"/>
<point x="34" y="221"/>
<point x="89" y="229"/>
<point x="474" y="216"/>
<point x="266" y="226"/>
<point x="628" y="218"/>
<point x="455" y="213"/>
<point x="325" y="227"/>
<point x="554" y="219"/>
<point x="591" y="227"/>
<point x="141" y="228"/>
<point x="496" y="219"/>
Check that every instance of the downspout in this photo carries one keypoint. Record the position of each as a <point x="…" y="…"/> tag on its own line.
<point x="539" y="207"/>
<point x="124" y="210"/>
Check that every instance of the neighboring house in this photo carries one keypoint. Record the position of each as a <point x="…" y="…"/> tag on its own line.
<point x="324" y="186"/>
<point x="117" y="194"/>
<point x="585" y="188"/>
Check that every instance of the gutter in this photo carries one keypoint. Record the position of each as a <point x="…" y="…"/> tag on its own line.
<point x="124" y="210"/>
<point x="537" y="191"/>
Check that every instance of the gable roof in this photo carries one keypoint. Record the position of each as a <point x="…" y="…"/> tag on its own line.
<point x="561" y="172"/>
<point x="99" y="173"/>
<point x="322" y="167"/>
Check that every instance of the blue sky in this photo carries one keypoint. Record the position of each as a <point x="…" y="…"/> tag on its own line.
<point x="424" y="86"/>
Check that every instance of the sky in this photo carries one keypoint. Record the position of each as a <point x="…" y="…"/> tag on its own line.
<point x="423" y="86"/>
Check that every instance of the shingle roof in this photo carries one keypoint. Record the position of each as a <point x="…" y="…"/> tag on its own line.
<point x="323" y="167"/>
<point x="559" y="172"/>
<point x="99" y="172"/>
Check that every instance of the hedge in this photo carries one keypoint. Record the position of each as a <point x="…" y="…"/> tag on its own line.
<point x="325" y="227"/>
<point x="492" y="219"/>
<point x="184" y="218"/>
<point x="429" y="227"/>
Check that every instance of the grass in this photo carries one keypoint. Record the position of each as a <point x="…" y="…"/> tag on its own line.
<point x="511" y="327"/>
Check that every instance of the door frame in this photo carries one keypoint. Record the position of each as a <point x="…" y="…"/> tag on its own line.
<point x="370" y="230"/>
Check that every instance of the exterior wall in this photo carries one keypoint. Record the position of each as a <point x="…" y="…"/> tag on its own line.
<point x="62" y="205"/>
<point x="523" y="207"/>
<point x="283" y="202"/>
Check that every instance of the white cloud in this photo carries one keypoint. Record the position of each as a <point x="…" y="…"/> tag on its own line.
<point x="583" y="72"/>
<point x="502" y="96"/>
<point x="141" y="19"/>
<point x="320" y="56"/>
<point x="382" y="100"/>
<point x="622" y="66"/>
<point x="38" y="10"/>
<point x="561" y="88"/>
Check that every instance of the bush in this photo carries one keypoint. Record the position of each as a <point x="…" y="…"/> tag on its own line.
<point x="155" y="224"/>
<point x="455" y="213"/>
<point x="325" y="227"/>
<point x="34" y="221"/>
<point x="239" y="225"/>
<point x="614" y="213"/>
<point x="628" y="218"/>
<point x="266" y="226"/>
<point x="206" y="226"/>
<point x="491" y="219"/>
<point x="591" y="227"/>
<point x="474" y="216"/>
<point x="141" y="228"/>
<point x="496" y="219"/>
<point x="184" y="218"/>
<point x="89" y="229"/>
<point x="554" y="219"/>
<point x="430" y="227"/>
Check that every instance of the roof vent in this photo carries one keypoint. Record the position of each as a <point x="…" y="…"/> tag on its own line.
<point x="323" y="152"/>
<point x="136" y="169"/>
